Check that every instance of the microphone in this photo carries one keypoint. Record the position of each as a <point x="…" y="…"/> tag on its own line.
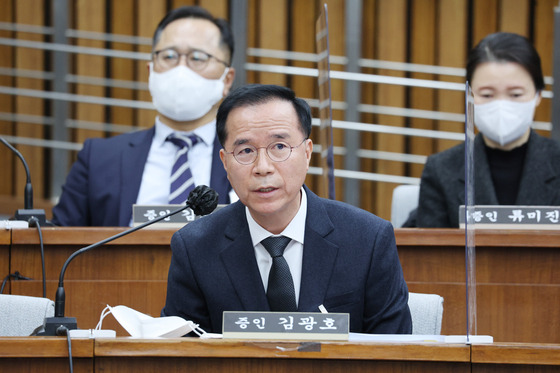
<point x="28" y="212"/>
<point x="202" y="200"/>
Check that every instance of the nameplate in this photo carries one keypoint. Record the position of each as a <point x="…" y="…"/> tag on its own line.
<point x="144" y="213"/>
<point x="286" y="325"/>
<point x="511" y="217"/>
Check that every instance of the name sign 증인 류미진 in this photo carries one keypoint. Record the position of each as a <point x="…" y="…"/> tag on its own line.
<point x="511" y="217"/>
<point x="286" y="325"/>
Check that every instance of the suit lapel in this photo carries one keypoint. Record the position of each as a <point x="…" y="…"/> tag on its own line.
<point x="238" y="258"/>
<point x="538" y="173"/>
<point x="319" y="255"/>
<point x="133" y="160"/>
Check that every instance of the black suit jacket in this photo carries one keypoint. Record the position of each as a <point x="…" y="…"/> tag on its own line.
<point x="350" y="264"/>
<point x="442" y="187"/>
<point x="104" y="182"/>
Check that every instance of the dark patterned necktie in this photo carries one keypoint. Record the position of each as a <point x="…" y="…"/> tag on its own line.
<point x="182" y="182"/>
<point x="280" y="293"/>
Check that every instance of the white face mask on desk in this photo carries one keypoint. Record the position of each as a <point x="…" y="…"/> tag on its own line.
<point x="504" y="121"/>
<point x="183" y="95"/>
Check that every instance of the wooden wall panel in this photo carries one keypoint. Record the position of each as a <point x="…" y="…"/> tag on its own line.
<point x="369" y="96"/>
<point x="302" y="34"/>
<point x="514" y="16"/>
<point x="451" y="51"/>
<point x="419" y="31"/>
<point x="122" y="23"/>
<point x="337" y="45"/>
<point x="30" y="12"/>
<point x="7" y="159"/>
<point x="90" y="16"/>
<point x="391" y="46"/>
<point x="422" y="51"/>
<point x="543" y="39"/>
<point x="148" y="15"/>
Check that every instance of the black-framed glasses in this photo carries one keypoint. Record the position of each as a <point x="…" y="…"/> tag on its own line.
<point x="197" y="60"/>
<point x="277" y="151"/>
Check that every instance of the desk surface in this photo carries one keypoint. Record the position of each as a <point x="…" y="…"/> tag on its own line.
<point x="175" y="355"/>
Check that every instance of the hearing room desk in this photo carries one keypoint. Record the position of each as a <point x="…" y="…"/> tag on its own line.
<point x="122" y="355"/>
<point x="518" y="280"/>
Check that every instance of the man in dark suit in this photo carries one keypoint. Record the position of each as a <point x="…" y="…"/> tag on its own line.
<point x="338" y="256"/>
<point x="442" y="188"/>
<point x="190" y="73"/>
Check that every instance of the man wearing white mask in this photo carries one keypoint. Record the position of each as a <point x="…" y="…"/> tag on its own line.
<point x="189" y="74"/>
<point x="513" y="164"/>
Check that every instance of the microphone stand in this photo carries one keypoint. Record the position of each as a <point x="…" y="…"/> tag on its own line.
<point x="27" y="213"/>
<point x="59" y="324"/>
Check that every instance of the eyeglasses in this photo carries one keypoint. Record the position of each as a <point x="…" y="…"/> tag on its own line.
<point x="196" y="60"/>
<point x="277" y="151"/>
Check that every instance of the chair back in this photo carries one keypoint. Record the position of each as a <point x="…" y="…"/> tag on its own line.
<point x="427" y="313"/>
<point x="405" y="199"/>
<point x="21" y="315"/>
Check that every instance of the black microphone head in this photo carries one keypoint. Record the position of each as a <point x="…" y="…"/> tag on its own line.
<point x="203" y="200"/>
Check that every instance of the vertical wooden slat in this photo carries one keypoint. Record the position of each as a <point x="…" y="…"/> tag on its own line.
<point x="122" y="69"/>
<point x="273" y="34"/>
<point x="514" y="16"/>
<point x="422" y="51"/>
<point x="452" y="37"/>
<point x="543" y="32"/>
<point x="7" y="159"/>
<point x="369" y="94"/>
<point x="302" y="35"/>
<point x="149" y="13"/>
<point x="90" y="16"/>
<point x="336" y="11"/>
<point x="391" y="46"/>
<point x="218" y="8"/>
<point x="30" y="12"/>
<point x="485" y="19"/>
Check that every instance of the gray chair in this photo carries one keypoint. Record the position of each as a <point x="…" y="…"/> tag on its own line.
<point x="21" y="315"/>
<point x="405" y="199"/>
<point x="427" y="313"/>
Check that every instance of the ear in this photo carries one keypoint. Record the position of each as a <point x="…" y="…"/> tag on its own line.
<point x="228" y="81"/>
<point x="223" y="158"/>
<point x="308" y="150"/>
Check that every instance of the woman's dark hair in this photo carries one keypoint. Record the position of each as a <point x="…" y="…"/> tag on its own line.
<point x="199" y="13"/>
<point x="507" y="47"/>
<point x="256" y="94"/>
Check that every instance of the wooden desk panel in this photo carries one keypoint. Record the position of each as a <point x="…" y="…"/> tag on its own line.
<point x="515" y="358"/>
<point x="45" y="354"/>
<point x="5" y="240"/>
<point x="517" y="275"/>
<point x="131" y="270"/>
<point x="176" y="355"/>
<point x="518" y="279"/>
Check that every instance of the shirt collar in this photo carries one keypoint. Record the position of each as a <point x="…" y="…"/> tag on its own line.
<point x="295" y="230"/>
<point x="206" y="133"/>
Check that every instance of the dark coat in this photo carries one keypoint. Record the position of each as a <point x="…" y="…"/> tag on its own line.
<point x="442" y="188"/>
<point x="104" y="182"/>
<point x="350" y="264"/>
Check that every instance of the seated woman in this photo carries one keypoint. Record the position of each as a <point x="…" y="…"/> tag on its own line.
<point x="513" y="165"/>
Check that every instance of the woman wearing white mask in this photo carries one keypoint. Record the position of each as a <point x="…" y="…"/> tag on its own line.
<point x="513" y="164"/>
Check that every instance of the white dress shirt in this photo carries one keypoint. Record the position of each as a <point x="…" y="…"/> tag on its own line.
<point x="154" y="188"/>
<point x="293" y="252"/>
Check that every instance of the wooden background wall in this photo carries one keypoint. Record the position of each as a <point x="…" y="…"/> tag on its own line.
<point x="434" y="32"/>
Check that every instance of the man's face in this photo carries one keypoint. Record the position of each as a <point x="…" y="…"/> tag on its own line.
<point x="271" y="190"/>
<point x="187" y="34"/>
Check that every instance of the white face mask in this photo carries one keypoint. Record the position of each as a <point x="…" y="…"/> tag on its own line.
<point x="182" y="95"/>
<point x="504" y="121"/>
